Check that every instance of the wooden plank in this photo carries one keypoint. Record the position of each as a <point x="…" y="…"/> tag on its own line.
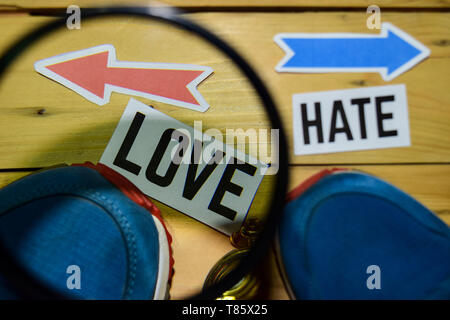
<point x="429" y="184"/>
<point x="207" y="4"/>
<point x="44" y="123"/>
<point x="427" y="100"/>
<point x="197" y="247"/>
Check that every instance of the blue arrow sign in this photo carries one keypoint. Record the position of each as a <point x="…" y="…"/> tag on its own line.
<point x="390" y="53"/>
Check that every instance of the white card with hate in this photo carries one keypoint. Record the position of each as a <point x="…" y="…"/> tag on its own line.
<point x="350" y="120"/>
<point x="184" y="168"/>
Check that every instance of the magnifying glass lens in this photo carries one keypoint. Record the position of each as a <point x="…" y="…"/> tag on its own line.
<point x="165" y="120"/>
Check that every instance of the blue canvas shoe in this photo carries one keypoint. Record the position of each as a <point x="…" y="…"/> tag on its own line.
<point x="86" y="232"/>
<point x="349" y="235"/>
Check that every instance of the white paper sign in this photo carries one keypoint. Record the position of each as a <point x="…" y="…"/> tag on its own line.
<point x="95" y="73"/>
<point x="206" y="181"/>
<point x="391" y="53"/>
<point x="348" y="120"/>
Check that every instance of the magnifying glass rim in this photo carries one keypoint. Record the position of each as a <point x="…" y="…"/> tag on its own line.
<point x="33" y="288"/>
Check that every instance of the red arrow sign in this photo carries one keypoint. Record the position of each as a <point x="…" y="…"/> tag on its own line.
<point x="94" y="73"/>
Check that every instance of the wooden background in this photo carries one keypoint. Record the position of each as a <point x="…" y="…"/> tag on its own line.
<point x="39" y="125"/>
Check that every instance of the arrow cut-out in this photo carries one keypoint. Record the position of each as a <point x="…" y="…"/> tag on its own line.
<point x="94" y="73"/>
<point x="390" y="53"/>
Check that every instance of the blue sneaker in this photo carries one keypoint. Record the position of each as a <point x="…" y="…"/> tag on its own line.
<point x="86" y="232"/>
<point x="349" y="235"/>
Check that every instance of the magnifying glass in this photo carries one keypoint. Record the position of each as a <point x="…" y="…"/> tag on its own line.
<point x="152" y="97"/>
